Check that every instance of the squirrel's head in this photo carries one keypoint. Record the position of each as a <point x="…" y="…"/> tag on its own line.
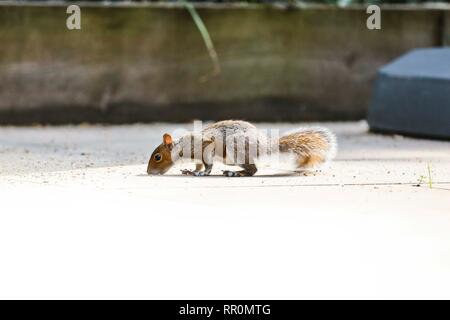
<point x="161" y="160"/>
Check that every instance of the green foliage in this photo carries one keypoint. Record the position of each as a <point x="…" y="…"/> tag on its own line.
<point x="205" y="35"/>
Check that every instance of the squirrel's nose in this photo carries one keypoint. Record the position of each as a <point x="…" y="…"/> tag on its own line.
<point x="151" y="171"/>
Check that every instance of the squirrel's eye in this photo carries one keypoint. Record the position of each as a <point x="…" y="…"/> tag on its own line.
<point x="158" y="157"/>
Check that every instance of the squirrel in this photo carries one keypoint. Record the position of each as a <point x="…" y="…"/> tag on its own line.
<point x="240" y="143"/>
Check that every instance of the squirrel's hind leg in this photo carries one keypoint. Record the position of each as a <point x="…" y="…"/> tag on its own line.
<point x="249" y="170"/>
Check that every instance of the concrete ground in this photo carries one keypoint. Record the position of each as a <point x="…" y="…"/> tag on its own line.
<point x="79" y="218"/>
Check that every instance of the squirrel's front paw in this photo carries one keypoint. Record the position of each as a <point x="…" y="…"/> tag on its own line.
<point x="193" y="173"/>
<point x="186" y="172"/>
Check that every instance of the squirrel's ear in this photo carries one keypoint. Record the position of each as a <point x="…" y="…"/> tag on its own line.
<point x="167" y="139"/>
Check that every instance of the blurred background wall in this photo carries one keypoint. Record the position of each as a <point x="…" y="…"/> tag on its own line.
<point x="147" y="62"/>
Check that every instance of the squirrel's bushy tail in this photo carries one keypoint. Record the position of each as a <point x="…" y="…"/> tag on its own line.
<point x="312" y="146"/>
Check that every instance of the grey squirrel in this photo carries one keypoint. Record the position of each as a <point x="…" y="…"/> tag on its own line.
<point x="240" y="143"/>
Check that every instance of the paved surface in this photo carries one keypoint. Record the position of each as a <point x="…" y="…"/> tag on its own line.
<point x="81" y="219"/>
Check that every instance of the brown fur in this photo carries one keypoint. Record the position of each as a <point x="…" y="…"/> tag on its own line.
<point x="310" y="146"/>
<point x="164" y="149"/>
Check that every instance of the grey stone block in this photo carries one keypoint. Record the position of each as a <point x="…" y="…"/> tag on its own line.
<point x="412" y="95"/>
